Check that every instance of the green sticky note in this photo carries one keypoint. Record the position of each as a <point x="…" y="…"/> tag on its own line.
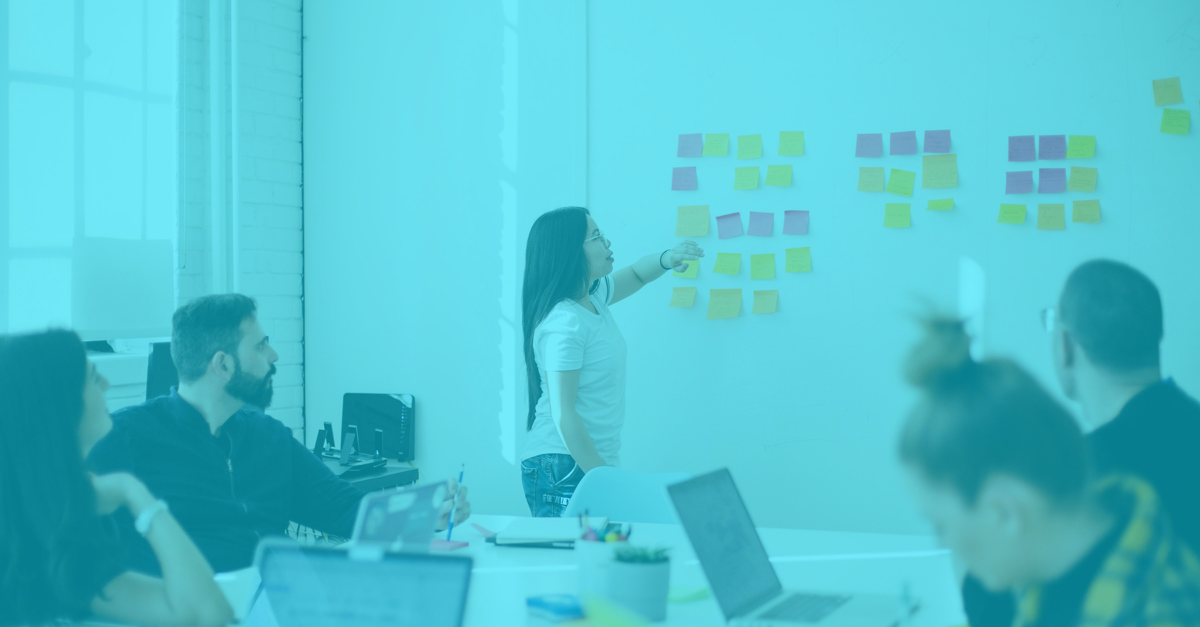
<point x="939" y="171"/>
<point x="1085" y="211"/>
<point x="762" y="266"/>
<point x="603" y="613"/>
<point x="944" y="204"/>
<point x="798" y="260"/>
<point x="791" y="143"/>
<point x="692" y="270"/>
<point x="765" y="301"/>
<point x="716" y="144"/>
<point x="870" y="179"/>
<point x="724" y="303"/>
<point x="1176" y="121"/>
<point x="1081" y="147"/>
<point x="1012" y="214"/>
<point x="683" y="297"/>
<point x="779" y="175"/>
<point x="1082" y="179"/>
<point x="728" y="263"/>
<point x="745" y="178"/>
<point x="901" y="182"/>
<point x="692" y="221"/>
<point x="1167" y="92"/>
<point x="897" y="215"/>
<point x="749" y="146"/>
<point x="1052" y="217"/>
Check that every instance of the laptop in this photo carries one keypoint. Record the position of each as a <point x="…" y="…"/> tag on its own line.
<point x="740" y="573"/>
<point x="400" y="520"/>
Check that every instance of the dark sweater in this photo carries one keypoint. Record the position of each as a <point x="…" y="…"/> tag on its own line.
<point x="226" y="491"/>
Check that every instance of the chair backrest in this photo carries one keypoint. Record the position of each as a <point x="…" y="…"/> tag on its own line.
<point x="161" y="375"/>
<point x="626" y="496"/>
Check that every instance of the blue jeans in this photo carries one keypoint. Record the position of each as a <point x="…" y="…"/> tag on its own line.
<point x="549" y="481"/>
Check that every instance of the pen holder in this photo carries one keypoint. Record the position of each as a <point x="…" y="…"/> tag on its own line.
<point x="594" y="559"/>
<point x="639" y="579"/>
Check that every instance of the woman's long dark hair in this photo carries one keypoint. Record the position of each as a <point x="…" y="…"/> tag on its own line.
<point x="555" y="267"/>
<point x="54" y="550"/>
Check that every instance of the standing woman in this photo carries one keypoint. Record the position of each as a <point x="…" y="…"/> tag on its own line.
<point x="574" y="352"/>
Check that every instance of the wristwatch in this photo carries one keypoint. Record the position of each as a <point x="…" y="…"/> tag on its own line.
<point x="142" y="523"/>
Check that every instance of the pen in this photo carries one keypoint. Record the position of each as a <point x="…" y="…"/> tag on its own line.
<point x="450" y="529"/>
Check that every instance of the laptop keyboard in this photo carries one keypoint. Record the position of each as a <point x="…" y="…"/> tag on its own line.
<point x="804" y="608"/>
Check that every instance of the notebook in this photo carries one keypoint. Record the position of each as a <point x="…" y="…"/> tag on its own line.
<point x="545" y="530"/>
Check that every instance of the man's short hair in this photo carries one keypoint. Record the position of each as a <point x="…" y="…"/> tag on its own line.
<point x="204" y="326"/>
<point x="1114" y="312"/>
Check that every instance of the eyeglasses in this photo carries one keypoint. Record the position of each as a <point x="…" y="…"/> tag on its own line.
<point x="599" y="236"/>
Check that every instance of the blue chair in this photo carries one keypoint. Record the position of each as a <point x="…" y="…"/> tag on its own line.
<point x="626" y="496"/>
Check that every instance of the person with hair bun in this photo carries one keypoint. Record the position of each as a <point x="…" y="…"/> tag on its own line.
<point x="1003" y="473"/>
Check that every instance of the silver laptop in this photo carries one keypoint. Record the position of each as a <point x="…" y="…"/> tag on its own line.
<point x="740" y="573"/>
<point x="400" y="520"/>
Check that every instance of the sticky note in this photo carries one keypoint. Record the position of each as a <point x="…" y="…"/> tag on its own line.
<point x="1167" y="92"/>
<point x="692" y="221"/>
<point x="728" y="263"/>
<point x="1012" y="214"/>
<point x="724" y="304"/>
<point x="795" y="223"/>
<point x="762" y="224"/>
<point x="779" y="175"/>
<point x="765" y="301"/>
<point x="1052" y="180"/>
<point x="745" y="178"/>
<point x="1020" y="148"/>
<point x="1176" y="121"/>
<point x="798" y="260"/>
<point x="683" y="297"/>
<point x="749" y="146"/>
<point x="869" y="145"/>
<point x="1082" y="179"/>
<point x="693" y="269"/>
<point x="716" y="144"/>
<point x="1081" y="146"/>
<point x="683" y="179"/>
<point x="690" y="145"/>
<point x="944" y="204"/>
<point x="901" y="182"/>
<point x="1085" y="211"/>
<point x="1018" y="182"/>
<point x="1052" y="146"/>
<point x="870" y="179"/>
<point x="937" y="141"/>
<point x="729" y="225"/>
<point x="1051" y="217"/>
<point x="897" y="215"/>
<point x="791" y="143"/>
<point x="762" y="267"/>
<point x="939" y="171"/>
<point x="903" y="143"/>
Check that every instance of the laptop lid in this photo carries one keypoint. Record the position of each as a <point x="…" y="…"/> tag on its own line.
<point x="401" y="520"/>
<point x="725" y="541"/>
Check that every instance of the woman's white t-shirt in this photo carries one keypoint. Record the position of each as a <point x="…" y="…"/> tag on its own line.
<point x="573" y="338"/>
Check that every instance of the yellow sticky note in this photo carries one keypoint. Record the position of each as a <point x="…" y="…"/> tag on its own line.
<point x="765" y="301"/>
<point x="715" y="144"/>
<point x="944" y="204"/>
<point x="779" y="175"/>
<point x="749" y="146"/>
<point x="724" y="303"/>
<point x="692" y="221"/>
<point x="1176" y="121"/>
<point x="1167" y="92"/>
<point x="1081" y="146"/>
<point x="1082" y="179"/>
<point x="1052" y="217"/>
<point x="870" y="179"/>
<point x="728" y="263"/>
<point x="939" y="171"/>
<point x="1085" y="211"/>
<point x="683" y="297"/>
<point x="1012" y="214"/>
<point x="693" y="269"/>
<point x="798" y="260"/>
<point x="791" y="143"/>
<point x="897" y="215"/>
<point x="901" y="182"/>
<point x="762" y="266"/>
<point x="745" y="178"/>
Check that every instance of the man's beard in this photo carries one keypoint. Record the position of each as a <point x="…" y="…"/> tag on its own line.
<point x="252" y="391"/>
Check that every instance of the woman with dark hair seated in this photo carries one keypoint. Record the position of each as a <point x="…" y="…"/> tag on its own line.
<point x="59" y="558"/>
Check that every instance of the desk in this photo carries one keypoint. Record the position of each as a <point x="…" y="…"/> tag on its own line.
<point x="395" y="474"/>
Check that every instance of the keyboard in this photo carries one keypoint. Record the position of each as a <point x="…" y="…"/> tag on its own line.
<point x="804" y="608"/>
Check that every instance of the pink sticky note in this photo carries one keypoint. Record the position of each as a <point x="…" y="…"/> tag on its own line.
<point x="691" y="144"/>
<point x="795" y="223"/>
<point x="729" y="225"/>
<point x="1052" y="147"/>
<point x="937" y="141"/>
<point x="1020" y="148"/>
<point x="761" y="224"/>
<point x="1018" y="182"/>
<point x="1052" y="180"/>
<point x="442" y="544"/>
<point x="683" y="179"/>
<point x="903" y="143"/>
<point x="869" y="145"/>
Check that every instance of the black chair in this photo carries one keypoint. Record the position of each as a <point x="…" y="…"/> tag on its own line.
<point x="161" y="375"/>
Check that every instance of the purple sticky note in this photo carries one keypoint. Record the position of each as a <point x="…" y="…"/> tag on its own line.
<point x="683" y="179"/>
<point x="937" y="141"/>
<point x="729" y="225"/>
<point x="1052" y="146"/>
<point x="1052" y="180"/>
<point x="869" y="145"/>
<point x="761" y="224"/>
<point x="795" y="223"/>
<point x="903" y="143"/>
<point x="691" y="145"/>
<point x="1019" y="182"/>
<point x="1020" y="148"/>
